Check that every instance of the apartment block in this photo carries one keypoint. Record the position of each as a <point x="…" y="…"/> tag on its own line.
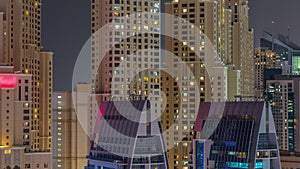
<point x="16" y="117"/>
<point x="70" y="124"/>
<point x="283" y="94"/>
<point x="21" y="44"/>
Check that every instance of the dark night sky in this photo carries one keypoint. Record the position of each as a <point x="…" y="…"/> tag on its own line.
<point x="66" y="28"/>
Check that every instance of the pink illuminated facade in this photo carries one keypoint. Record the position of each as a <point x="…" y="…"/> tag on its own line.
<point x="8" y="81"/>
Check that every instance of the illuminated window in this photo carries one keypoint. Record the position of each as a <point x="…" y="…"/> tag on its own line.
<point x="8" y="151"/>
<point x="117" y="13"/>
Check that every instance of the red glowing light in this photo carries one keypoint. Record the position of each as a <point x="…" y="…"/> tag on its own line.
<point x="8" y="81"/>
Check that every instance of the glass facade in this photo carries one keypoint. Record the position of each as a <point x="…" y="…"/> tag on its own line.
<point x="240" y="139"/>
<point x="200" y="161"/>
<point x="243" y="165"/>
<point x="134" y="149"/>
<point x="296" y="65"/>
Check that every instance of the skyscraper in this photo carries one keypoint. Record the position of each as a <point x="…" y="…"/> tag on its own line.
<point x="70" y="112"/>
<point x="235" y="135"/>
<point x="286" y="49"/>
<point x="125" y="47"/>
<point x="283" y="93"/>
<point x="224" y="29"/>
<point x="189" y="73"/>
<point x="242" y="43"/>
<point x="274" y="82"/>
<point x="125" y="137"/>
<point x="15" y="111"/>
<point x="266" y="59"/>
<point x="125" y="41"/>
<point x="118" y="52"/>
<point x="21" y="44"/>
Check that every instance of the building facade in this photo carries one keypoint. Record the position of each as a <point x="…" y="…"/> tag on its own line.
<point x="286" y="49"/>
<point x="235" y="135"/>
<point x="126" y="137"/>
<point x="224" y="32"/>
<point x="21" y="44"/>
<point x="16" y="117"/>
<point x="125" y="41"/>
<point x="290" y="161"/>
<point x="70" y="117"/>
<point x="242" y="43"/>
<point x="125" y="52"/>
<point x="265" y="61"/>
<point x="283" y="93"/>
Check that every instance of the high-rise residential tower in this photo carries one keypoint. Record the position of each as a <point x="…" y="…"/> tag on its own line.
<point x="125" y="49"/>
<point x="125" y="41"/>
<point x="15" y="112"/>
<point x="70" y="115"/>
<point x="242" y="43"/>
<point x="21" y="44"/>
<point x="283" y="93"/>
<point x="266" y="59"/>
<point x="223" y="30"/>
<point x="181" y="90"/>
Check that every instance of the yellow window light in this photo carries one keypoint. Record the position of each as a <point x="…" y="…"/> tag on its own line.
<point x="7" y="151"/>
